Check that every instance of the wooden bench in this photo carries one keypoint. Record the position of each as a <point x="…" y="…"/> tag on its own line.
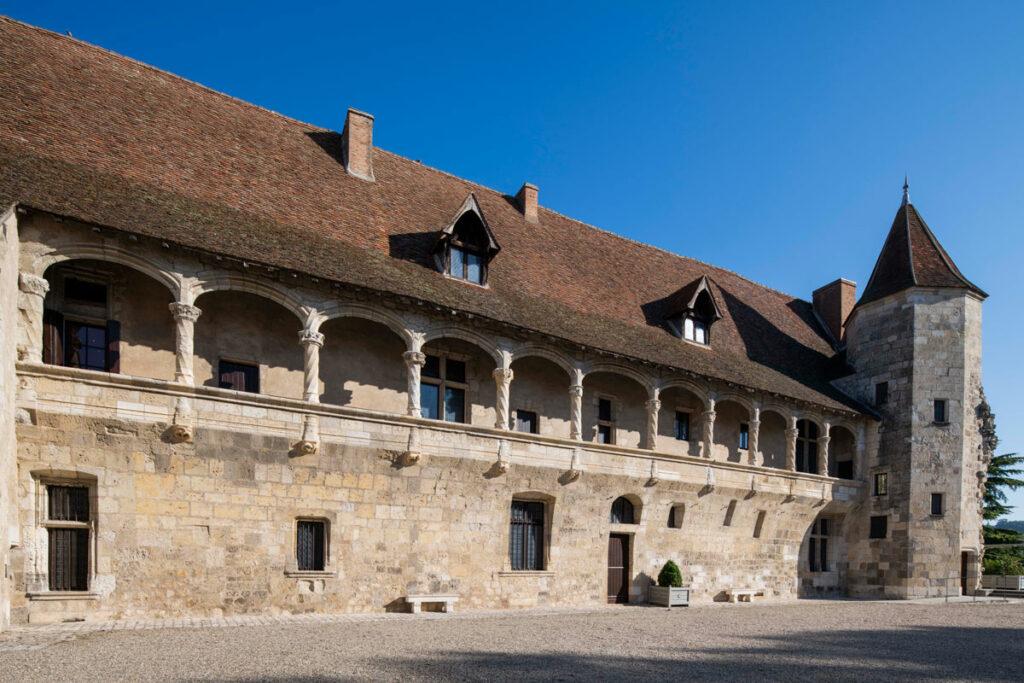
<point x="415" y="601"/>
<point x="741" y="594"/>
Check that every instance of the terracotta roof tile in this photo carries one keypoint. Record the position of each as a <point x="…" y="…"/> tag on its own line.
<point x="96" y="136"/>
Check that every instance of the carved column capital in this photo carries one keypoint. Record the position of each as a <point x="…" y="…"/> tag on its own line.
<point x="182" y="311"/>
<point x="414" y="357"/>
<point x="309" y="337"/>
<point x="576" y="390"/>
<point x="503" y="375"/>
<point x="653" y="405"/>
<point x="33" y="284"/>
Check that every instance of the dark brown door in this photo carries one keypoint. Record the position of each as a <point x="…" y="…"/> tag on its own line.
<point x="618" y="568"/>
<point x="964" y="563"/>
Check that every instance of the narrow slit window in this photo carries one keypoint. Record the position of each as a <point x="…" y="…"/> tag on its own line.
<point x="941" y="412"/>
<point x="759" y="524"/>
<point x="682" y="426"/>
<point x="881" y="483"/>
<point x="605" y="421"/>
<point x="937" y="510"/>
<point x="881" y="393"/>
<point x="729" y="513"/>
<point x="744" y="436"/>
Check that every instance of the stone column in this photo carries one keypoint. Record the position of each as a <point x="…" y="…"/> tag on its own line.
<point x="414" y="361"/>
<point x="311" y="342"/>
<point x="653" y="406"/>
<point x="502" y="384"/>
<point x="185" y="317"/>
<point x="35" y="288"/>
<point x="791" y="435"/>
<point x="753" y="437"/>
<point x="709" y="429"/>
<point x="823" y="442"/>
<point x="576" y="405"/>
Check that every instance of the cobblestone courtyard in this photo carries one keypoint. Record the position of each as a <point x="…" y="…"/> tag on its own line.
<point x="805" y="640"/>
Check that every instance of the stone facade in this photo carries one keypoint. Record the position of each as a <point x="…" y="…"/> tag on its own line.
<point x="196" y="490"/>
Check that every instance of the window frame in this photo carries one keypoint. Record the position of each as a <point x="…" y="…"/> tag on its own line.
<point x="941" y="498"/>
<point x="66" y="337"/>
<point x="882" y="490"/>
<point x="466" y="251"/>
<point x="540" y="538"/>
<point x="690" y="324"/>
<point x="443" y="384"/>
<point x="804" y="444"/>
<point x="881" y="393"/>
<point x="325" y="544"/>
<point x="944" y="405"/>
<point x="49" y="524"/>
<point x="534" y="421"/>
<point x="676" y="424"/>
<point x="676" y="515"/>
<point x="744" y="439"/>
<point x="633" y="516"/>
<point x="608" y="424"/>
<point x="818" y="556"/>
<point x="873" y="533"/>
<point x="258" y="372"/>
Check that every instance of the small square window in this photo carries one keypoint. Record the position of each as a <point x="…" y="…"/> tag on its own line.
<point x="682" y="426"/>
<point x="937" y="505"/>
<point x="881" y="483"/>
<point x="879" y="526"/>
<point x="526" y="421"/>
<point x="605" y="434"/>
<point x="239" y="376"/>
<point x="744" y="436"/>
<point x="941" y="416"/>
<point x="311" y="545"/>
<point x="881" y="393"/>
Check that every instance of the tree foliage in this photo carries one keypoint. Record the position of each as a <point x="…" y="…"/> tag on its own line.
<point x="670" y="576"/>
<point x="1003" y="476"/>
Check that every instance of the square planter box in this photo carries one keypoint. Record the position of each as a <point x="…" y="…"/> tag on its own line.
<point x="669" y="597"/>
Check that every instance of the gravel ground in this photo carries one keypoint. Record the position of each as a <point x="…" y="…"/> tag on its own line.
<point x="804" y="640"/>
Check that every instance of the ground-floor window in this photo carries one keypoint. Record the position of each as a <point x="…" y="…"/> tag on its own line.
<point x="817" y="548"/>
<point x="68" y="533"/>
<point x="311" y="545"/>
<point x="526" y="536"/>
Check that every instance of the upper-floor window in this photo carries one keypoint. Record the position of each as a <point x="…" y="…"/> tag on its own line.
<point x="881" y="483"/>
<point x="238" y="376"/>
<point x="465" y="264"/>
<point x="443" y="389"/>
<point x="81" y="342"/>
<point x="806" y="447"/>
<point x="940" y="410"/>
<point x="682" y="425"/>
<point x="605" y="421"/>
<point x="881" y="393"/>
<point x="879" y="526"/>
<point x="622" y="511"/>
<point x="695" y="329"/>
<point x="526" y="421"/>
<point x="744" y="436"/>
<point x="937" y="510"/>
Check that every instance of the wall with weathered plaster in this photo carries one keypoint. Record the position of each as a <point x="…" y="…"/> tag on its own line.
<point x="8" y="391"/>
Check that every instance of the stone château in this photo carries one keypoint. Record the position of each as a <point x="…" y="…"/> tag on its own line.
<point x="251" y="365"/>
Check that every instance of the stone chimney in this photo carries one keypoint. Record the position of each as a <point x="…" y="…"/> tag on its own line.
<point x="526" y="198"/>
<point x="833" y="304"/>
<point x="357" y="144"/>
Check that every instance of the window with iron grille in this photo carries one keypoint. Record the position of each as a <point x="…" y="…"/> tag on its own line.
<point x="526" y="536"/>
<point x="311" y="545"/>
<point x="68" y="533"/>
<point x="817" y="548"/>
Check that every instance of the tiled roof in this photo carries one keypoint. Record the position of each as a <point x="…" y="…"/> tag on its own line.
<point x="912" y="256"/>
<point x="96" y="136"/>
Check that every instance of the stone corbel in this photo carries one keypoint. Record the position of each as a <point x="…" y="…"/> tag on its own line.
<point x="501" y="467"/>
<point x="709" y="480"/>
<point x="413" y="453"/>
<point x="310" y="441"/>
<point x="653" y="479"/>
<point x="753" y="486"/>
<point x="575" y="466"/>
<point x="181" y="430"/>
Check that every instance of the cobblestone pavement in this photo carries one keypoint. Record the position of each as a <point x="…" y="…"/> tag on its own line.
<point x="806" y="640"/>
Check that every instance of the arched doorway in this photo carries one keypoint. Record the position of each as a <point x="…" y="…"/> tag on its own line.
<point x="625" y="512"/>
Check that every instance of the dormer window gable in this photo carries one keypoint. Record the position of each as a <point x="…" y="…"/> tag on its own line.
<point x="467" y="245"/>
<point x="693" y="309"/>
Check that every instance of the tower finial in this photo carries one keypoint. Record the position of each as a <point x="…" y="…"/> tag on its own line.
<point x="906" y="191"/>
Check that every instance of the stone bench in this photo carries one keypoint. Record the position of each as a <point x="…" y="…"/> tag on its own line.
<point x="416" y="601"/>
<point x="741" y="594"/>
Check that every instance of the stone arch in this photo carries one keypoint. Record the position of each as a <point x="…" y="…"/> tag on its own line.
<point x="626" y="504"/>
<point x="692" y="387"/>
<point x="731" y="412"/>
<point x="112" y="254"/>
<point x="361" y="359"/>
<point x="842" y="451"/>
<point x="469" y="336"/>
<point x="613" y="404"/>
<point x="772" y="435"/>
<point x="353" y="310"/>
<point x="614" y="368"/>
<point x="744" y="401"/>
<point x="207" y="282"/>
<point x="531" y="350"/>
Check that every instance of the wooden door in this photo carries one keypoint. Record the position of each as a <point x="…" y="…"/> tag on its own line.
<point x="965" y="559"/>
<point x="618" y="568"/>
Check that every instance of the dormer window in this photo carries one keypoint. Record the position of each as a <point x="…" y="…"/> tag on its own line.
<point x="467" y="245"/>
<point x="691" y="311"/>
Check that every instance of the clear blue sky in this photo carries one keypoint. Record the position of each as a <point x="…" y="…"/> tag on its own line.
<point x="768" y="138"/>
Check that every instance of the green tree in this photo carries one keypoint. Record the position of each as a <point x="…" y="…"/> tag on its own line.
<point x="1002" y="477"/>
<point x="670" y="576"/>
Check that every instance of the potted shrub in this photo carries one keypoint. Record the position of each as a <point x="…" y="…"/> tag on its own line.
<point x="670" y="591"/>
